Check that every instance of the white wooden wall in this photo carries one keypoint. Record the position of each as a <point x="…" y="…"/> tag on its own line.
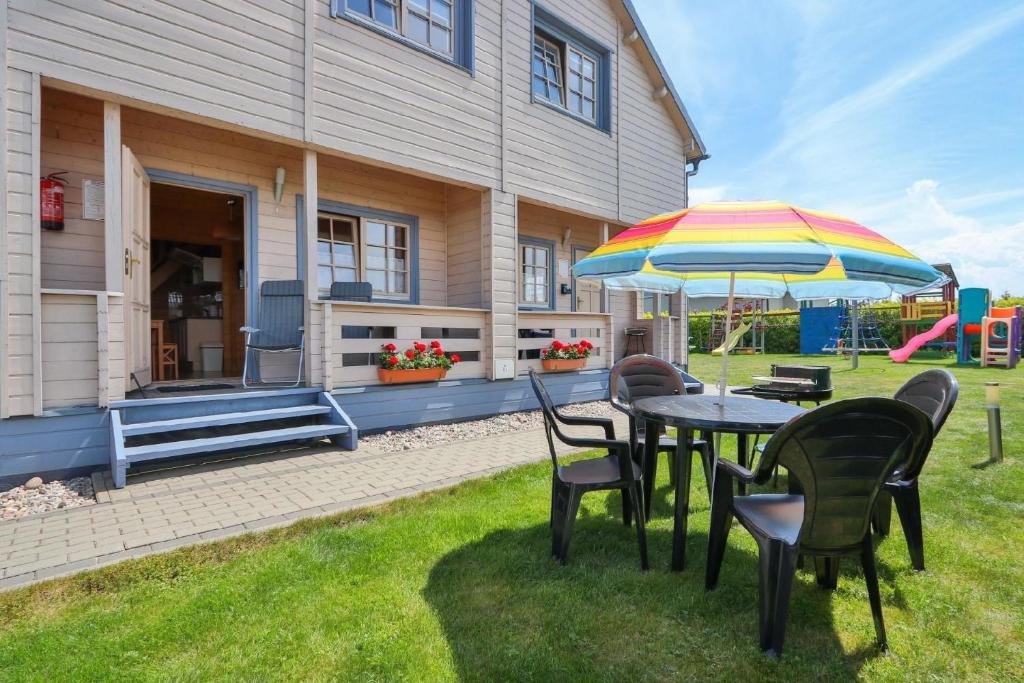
<point x="465" y="279"/>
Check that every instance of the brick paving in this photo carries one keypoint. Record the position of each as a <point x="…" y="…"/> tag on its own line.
<point x="162" y="510"/>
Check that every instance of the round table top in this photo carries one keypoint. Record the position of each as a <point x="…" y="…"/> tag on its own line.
<point x="701" y="411"/>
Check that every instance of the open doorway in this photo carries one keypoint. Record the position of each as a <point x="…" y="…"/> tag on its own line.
<point x="197" y="271"/>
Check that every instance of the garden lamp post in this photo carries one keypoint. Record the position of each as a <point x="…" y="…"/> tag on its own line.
<point x="995" y="427"/>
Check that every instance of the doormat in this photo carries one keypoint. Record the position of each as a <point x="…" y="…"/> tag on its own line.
<point x="193" y="387"/>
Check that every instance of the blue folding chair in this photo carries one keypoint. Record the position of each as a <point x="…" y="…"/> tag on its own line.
<point x="279" y="327"/>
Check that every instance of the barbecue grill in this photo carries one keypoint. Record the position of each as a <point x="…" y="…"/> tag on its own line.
<point x="793" y="383"/>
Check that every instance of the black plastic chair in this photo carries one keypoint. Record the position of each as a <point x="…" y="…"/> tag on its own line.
<point x="934" y="392"/>
<point x="640" y="376"/>
<point x="615" y="471"/>
<point x="841" y="454"/>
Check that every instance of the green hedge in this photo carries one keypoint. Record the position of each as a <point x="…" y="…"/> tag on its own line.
<point x="782" y="328"/>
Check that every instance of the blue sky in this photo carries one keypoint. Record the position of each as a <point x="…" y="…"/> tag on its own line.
<point x="905" y="116"/>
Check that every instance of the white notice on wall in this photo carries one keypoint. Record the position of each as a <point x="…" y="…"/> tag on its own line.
<point x="92" y="200"/>
<point x="563" y="267"/>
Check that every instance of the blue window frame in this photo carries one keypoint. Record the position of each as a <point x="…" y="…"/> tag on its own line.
<point x="536" y="273"/>
<point x="440" y="28"/>
<point x="571" y="71"/>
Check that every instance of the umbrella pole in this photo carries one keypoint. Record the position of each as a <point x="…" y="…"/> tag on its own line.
<point x="855" y="332"/>
<point x="725" y="341"/>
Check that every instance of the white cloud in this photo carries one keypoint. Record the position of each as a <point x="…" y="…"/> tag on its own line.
<point x="984" y="253"/>
<point x="714" y="193"/>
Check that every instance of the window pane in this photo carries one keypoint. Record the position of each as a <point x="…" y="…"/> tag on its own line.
<point x="588" y="68"/>
<point x="323" y="252"/>
<point x="344" y="255"/>
<point x="575" y="102"/>
<point x="384" y="12"/>
<point x="540" y="88"/>
<point x="556" y="94"/>
<point x="575" y="83"/>
<point x="323" y="228"/>
<point x="323" y="277"/>
<point x="345" y="275"/>
<point x="588" y="108"/>
<point x="440" y="38"/>
<point x="419" y="4"/>
<point x="416" y="28"/>
<point x="441" y="10"/>
<point x="361" y="6"/>
<point x="588" y="89"/>
<point x="377" y="279"/>
<point x="375" y="257"/>
<point x="344" y="231"/>
<point x="400" y="233"/>
<point x="529" y="292"/>
<point x="375" y="233"/>
<point x="574" y="60"/>
<point x="542" y="294"/>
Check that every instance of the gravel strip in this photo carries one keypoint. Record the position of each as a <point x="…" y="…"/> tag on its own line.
<point x="435" y="435"/>
<point x="22" y="500"/>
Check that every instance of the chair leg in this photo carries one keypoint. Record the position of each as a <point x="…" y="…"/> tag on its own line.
<point x="908" y="507"/>
<point x="572" y="507"/>
<point x="650" y="471"/>
<point x="867" y="558"/>
<point x="718" y="535"/>
<point x="627" y="506"/>
<point x="777" y="567"/>
<point x="826" y="570"/>
<point x="554" y="496"/>
<point x="637" y="497"/>
<point x="881" y="517"/>
<point x="558" y="503"/>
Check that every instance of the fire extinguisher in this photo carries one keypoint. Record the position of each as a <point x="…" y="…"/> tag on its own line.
<point x="51" y="201"/>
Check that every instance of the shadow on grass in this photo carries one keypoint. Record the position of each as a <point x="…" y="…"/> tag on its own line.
<point x="509" y="612"/>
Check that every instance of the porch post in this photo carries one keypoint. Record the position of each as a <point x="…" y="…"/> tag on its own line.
<point x="113" y="243"/>
<point x="498" y="218"/>
<point x="311" y="192"/>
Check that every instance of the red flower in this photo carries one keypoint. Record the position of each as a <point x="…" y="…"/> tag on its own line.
<point x="435" y="344"/>
<point x="585" y="344"/>
<point x="393" y="360"/>
<point x="390" y="348"/>
<point x="410" y="354"/>
<point x="456" y="358"/>
<point x="438" y="351"/>
<point x="420" y="346"/>
<point x="557" y="345"/>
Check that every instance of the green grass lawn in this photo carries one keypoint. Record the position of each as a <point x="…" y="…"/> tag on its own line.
<point x="458" y="585"/>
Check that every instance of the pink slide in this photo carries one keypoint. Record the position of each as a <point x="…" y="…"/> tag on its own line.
<point x="919" y="340"/>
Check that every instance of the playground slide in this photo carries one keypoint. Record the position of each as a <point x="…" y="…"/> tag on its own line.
<point x="733" y="338"/>
<point x="917" y="341"/>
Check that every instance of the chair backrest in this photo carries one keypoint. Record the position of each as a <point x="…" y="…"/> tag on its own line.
<point x="933" y="392"/>
<point x="841" y="454"/>
<point x="640" y="376"/>
<point x="280" y="316"/>
<point x="547" y="406"/>
<point x="352" y="291"/>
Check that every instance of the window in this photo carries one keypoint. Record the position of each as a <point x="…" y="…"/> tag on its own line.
<point x="351" y="249"/>
<point x="547" y="70"/>
<point x="536" y="274"/>
<point x="443" y="28"/>
<point x="570" y="70"/>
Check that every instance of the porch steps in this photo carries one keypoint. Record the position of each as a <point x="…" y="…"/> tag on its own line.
<point x="144" y="430"/>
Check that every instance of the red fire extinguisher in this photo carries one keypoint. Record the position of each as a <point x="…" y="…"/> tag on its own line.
<point x="51" y="200"/>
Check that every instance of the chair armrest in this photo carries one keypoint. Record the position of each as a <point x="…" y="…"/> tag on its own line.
<point x="302" y="328"/>
<point x="582" y="442"/>
<point x="731" y="469"/>
<point x="604" y="422"/>
<point x="248" y="330"/>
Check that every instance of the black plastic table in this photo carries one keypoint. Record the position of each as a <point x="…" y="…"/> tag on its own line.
<point x="701" y="412"/>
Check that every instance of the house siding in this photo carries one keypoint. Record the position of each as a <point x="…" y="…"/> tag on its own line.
<point x="550" y="224"/>
<point x="465" y="282"/>
<point x="238" y="62"/>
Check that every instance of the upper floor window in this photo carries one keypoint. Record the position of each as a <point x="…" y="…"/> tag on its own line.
<point x="440" y="27"/>
<point x="571" y="71"/>
<point x="351" y="249"/>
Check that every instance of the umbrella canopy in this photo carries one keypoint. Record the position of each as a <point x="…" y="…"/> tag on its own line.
<point x="753" y="239"/>
<point x="757" y="249"/>
<point x="832" y="282"/>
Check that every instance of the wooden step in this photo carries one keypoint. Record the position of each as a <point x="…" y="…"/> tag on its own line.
<point x="221" y="419"/>
<point x="231" y="442"/>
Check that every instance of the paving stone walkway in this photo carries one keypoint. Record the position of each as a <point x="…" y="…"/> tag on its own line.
<point x="168" y="509"/>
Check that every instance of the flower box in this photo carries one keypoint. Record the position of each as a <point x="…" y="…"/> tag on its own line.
<point x="562" y="364"/>
<point x="412" y="375"/>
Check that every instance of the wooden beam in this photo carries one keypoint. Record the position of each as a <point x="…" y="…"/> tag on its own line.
<point x="37" y="257"/>
<point x="103" y="350"/>
<point x="5" y="399"/>
<point x="113" y="242"/>
<point x="312" y="194"/>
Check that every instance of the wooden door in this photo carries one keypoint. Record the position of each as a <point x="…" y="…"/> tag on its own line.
<point x="587" y="292"/>
<point x="135" y="231"/>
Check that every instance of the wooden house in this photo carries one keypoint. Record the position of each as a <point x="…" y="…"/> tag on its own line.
<point x="460" y="155"/>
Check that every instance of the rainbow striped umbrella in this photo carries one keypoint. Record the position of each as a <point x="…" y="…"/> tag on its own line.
<point x="761" y="249"/>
